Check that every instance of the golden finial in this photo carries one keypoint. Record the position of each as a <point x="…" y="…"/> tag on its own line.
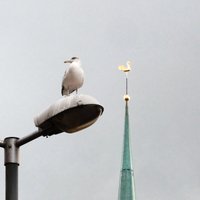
<point x="126" y="69"/>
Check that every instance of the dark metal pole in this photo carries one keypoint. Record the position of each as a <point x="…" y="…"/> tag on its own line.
<point x="11" y="147"/>
<point x="12" y="181"/>
<point x="11" y="165"/>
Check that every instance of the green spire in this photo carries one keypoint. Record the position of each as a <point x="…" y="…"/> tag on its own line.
<point x="126" y="189"/>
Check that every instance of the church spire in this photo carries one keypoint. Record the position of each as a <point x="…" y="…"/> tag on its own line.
<point x="126" y="188"/>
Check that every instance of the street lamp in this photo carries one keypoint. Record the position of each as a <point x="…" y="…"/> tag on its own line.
<point x="69" y="114"/>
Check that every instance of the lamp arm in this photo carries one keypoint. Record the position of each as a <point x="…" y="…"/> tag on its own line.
<point x="29" y="137"/>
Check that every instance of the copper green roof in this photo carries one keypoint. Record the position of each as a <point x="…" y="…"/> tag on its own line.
<point x="126" y="188"/>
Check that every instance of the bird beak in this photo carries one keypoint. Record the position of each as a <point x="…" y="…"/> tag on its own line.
<point x="67" y="61"/>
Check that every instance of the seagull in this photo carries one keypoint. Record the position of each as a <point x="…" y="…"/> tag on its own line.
<point x="73" y="78"/>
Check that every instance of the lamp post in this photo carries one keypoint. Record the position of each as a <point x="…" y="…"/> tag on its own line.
<point x="69" y="114"/>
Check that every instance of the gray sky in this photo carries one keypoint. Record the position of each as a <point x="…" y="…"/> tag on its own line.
<point x="162" y="38"/>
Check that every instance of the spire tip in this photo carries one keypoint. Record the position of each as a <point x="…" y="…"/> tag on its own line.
<point x="126" y="69"/>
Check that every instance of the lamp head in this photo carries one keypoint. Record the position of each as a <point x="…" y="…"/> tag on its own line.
<point x="69" y="114"/>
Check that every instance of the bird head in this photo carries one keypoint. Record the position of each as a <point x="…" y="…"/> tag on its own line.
<point x="73" y="59"/>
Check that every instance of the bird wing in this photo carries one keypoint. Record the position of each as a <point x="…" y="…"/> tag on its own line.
<point x="67" y="81"/>
<point x="64" y="80"/>
<point x="62" y="90"/>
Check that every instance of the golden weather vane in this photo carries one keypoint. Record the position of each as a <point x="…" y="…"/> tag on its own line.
<point x="126" y="69"/>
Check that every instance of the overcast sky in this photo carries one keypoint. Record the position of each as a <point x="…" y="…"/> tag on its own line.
<point x="161" y="38"/>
